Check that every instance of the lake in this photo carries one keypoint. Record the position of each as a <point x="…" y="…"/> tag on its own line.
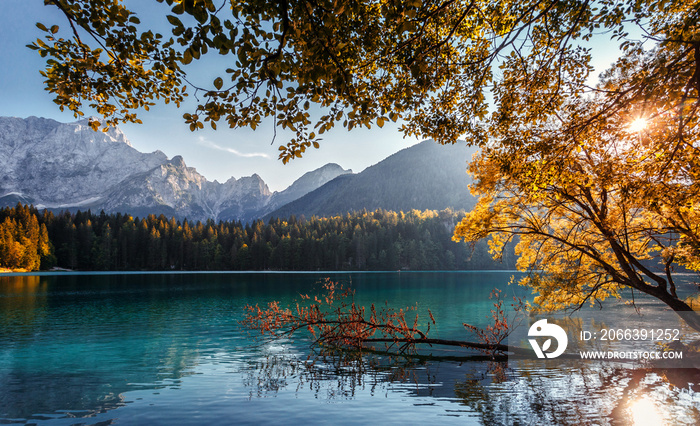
<point x="167" y="348"/>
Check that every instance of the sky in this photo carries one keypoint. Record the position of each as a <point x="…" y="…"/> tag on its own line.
<point x="218" y="155"/>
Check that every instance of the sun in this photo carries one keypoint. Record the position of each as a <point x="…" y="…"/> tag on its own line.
<point x="638" y="125"/>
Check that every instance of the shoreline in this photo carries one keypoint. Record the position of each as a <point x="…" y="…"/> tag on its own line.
<point x="72" y="272"/>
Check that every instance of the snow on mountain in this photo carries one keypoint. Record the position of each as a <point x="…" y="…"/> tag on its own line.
<point x="64" y="164"/>
<point x="60" y="166"/>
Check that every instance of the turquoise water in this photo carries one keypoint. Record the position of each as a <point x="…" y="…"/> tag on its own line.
<point x="168" y="349"/>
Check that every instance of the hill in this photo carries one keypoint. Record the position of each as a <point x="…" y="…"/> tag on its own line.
<point x="426" y="176"/>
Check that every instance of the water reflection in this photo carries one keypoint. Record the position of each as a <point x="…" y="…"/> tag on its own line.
<point x="581" y="393"/>
<point x="520" y="392"/>
<point x="332" y="376"/>
<point x="643" y="411"/>
<point x="24" y="298"/>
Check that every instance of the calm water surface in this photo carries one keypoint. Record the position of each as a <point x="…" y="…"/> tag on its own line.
<point x="168" y="349"/>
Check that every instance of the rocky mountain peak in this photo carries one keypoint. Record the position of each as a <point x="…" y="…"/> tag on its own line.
<point x="178" y="161"/>
<point x="71" y="166"/>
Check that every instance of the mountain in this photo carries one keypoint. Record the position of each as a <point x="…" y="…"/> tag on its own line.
<point x="307" y="183"/>
<point x="46" y="162"/>
<point x="70" y="166"/>
<point x="423" y="176"/>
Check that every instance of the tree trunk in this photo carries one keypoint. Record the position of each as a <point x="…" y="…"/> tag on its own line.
<point x="688" y="314"/>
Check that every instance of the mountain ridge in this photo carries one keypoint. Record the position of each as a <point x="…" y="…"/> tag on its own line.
<point x="425" y="176"/>
<point x="68" y="165"/>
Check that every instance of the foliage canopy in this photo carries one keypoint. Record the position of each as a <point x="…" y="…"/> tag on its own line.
<point x="312" y="65"/>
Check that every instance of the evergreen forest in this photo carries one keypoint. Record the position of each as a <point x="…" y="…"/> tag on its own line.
<point x="380" y="240"/>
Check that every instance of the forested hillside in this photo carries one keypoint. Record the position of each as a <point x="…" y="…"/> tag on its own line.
<point x="379" y="240"/>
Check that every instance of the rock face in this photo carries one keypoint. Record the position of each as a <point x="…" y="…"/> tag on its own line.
<point x="70" y="166"/>
<point x="56" y="164"/>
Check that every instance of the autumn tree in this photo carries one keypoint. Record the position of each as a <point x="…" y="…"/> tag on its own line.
<point x="600" y="186"/>
<point x="596" y="206"/>
<point x="594" y="211"/>
<point x="24" y="241"/>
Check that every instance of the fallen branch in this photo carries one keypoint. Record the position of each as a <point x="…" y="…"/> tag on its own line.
<point x="335" y="320"/>
<point x="497" y="347"/>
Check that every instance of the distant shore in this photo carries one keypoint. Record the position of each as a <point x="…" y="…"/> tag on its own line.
<point x="8" y="271"/>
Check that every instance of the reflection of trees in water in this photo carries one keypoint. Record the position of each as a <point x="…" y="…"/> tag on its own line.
<point x="525" y="393"/>
<point x="540" y="396"/>
<point x="22" y="303"/>
<point x="335" y="375"/>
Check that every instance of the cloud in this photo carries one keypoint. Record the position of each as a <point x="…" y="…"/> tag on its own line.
<point x="206" y="142"/>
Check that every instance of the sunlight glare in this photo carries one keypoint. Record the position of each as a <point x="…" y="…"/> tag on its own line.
<point x="645" y="412"/>
<point x="638" y="125"/>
